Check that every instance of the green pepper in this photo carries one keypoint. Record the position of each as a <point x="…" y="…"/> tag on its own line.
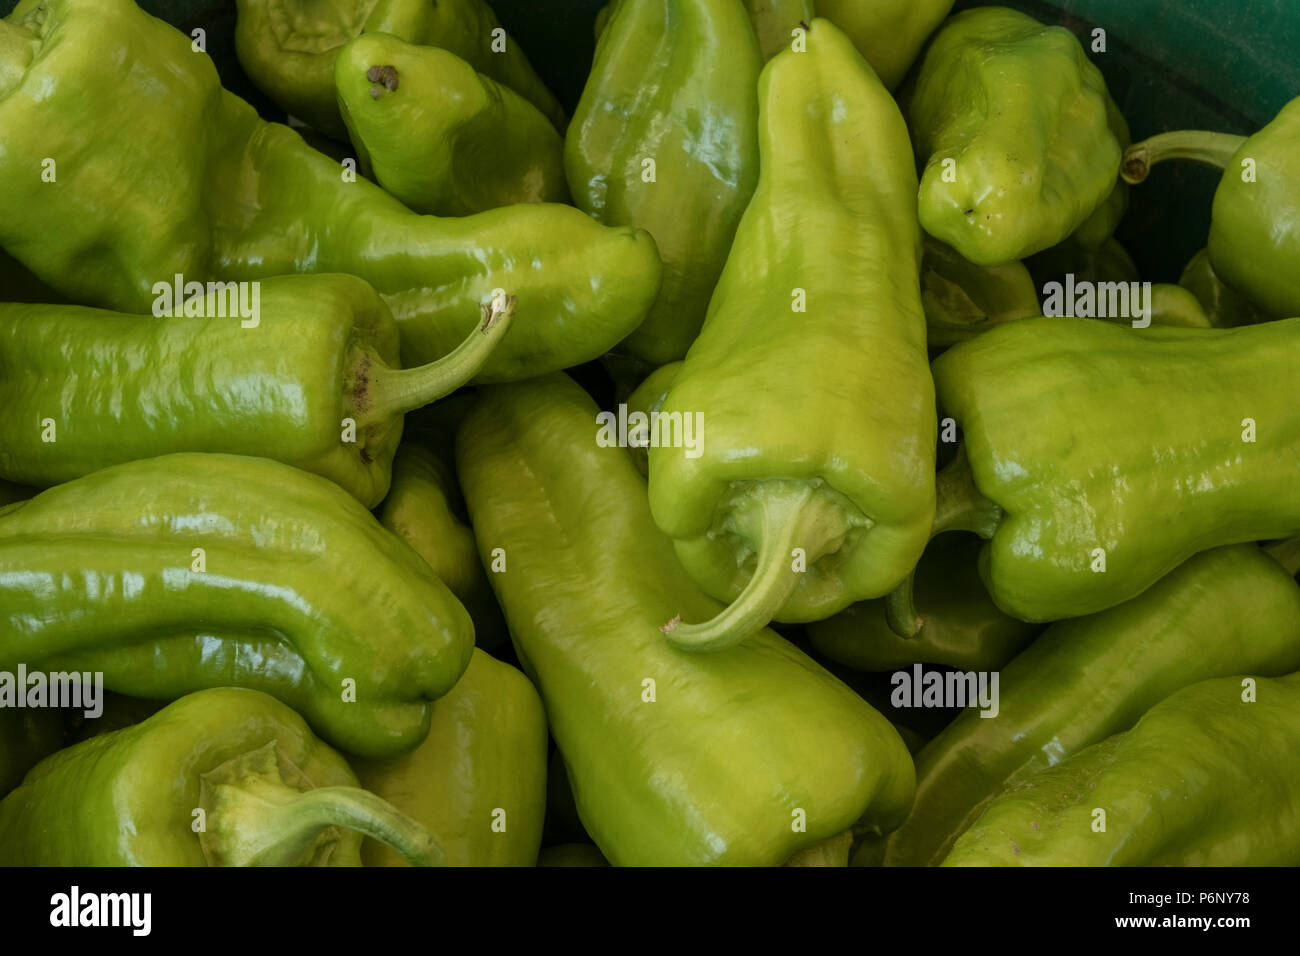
<point x="809" y="377"/>
<point x="1226" y="611"/>
<point x="424" y="509"/>
<point x="1208" y="777"/>
<point x="26" y="737"/>
<point x="10" y="492"/>
<point x="960" y="625"/>
<point x="1109" y="263"/>
<point x="288" y="48"/>
<point x="1172" y="305"/>
<point x="664" y="139"/>
<point x="189" y="181"/>
<point x="648" y="399"/>
<point x="1224" y="307"/>
<point x="187" y="571"/>
<point x="775" y="22"/>
<point x="221" y="777"/>
<point x="310" y="381"/>
<point x="961" y="299"/>
<point x="993" y="77"/>
<point x="17" y="284"/>
<point x="1083" y="514"/>
<point x="741" y="757"/>
<point x="889" y="33"/>
<point x="1251" y="246"/>
<point x="439" y="136"/>
<point x="479" y="778"/>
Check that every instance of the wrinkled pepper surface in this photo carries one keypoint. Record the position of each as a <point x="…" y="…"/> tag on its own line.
<point x="664" y="139"/>
<point x="889" y="33"/>
<point x="742" y="757"/>
<point x="191" y="182"/>
<point x="288" y="48"/>
<point x="190" y="571"/>
<point x="425" y="509"/>
<point x="479" y="779"/>
<point x="810" y="374"/>
<point x="995" y="76"/>
<point x="775" y="22"/>
<point x="441" y="137"/>
<point x="270" y="792"/>
<point x="960" y="625"/>
<point x="1081" y="517"/>
<point x="1227" y="611"/>
<point x="1254" y="241"/>
<point x="1206" y="778"/>
<point x="87" y="388"/>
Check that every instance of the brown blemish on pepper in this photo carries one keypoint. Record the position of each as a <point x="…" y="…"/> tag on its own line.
<point x="361" y="385"/>
<point x="384" y="78"/>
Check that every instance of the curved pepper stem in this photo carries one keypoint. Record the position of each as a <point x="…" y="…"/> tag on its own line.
<point x="1198" y="146"/>
<point x="262" y="822"/>
<point x="782" y="516"/>
<point x="959" y="506"/>
<point x="381" y="393"/>
<point x="1286" y="553"/>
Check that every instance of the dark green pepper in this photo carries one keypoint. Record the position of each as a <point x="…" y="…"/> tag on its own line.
<point x="192" y="182"/>
<point x="17" y="284"/>
<point x="1252" y="246"/>
<point x="424" y="508"/>
<point x="10" y="492"/>
<point x="222" y="777"/>
<point x="1109" y="263"/>
<point x="889" y="33"/>
<point x="961" y="299"/>
<point x="664" y="139"/>
<point x="312" y="381"/>
<point x="439" y="136"/>
<point x="812" y="486"/>
<point x="960" y="625"/>
<point x="288" y="48"/>
<point x="1083" y="514"/>
<point x="1224" y="307"/>
<point x="1228" y="611"/>
<point x="188" y="571"/>
<point x="479" y="778"/>
<point x="994" y="76"/>
<point x="1208" y="777"/>
<point x="741" y="757"/>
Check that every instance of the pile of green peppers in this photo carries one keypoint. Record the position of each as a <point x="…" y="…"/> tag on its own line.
<point x="433" y="473"/>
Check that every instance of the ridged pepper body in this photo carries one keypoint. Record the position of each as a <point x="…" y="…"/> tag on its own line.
<point x="288" y="48"/>
<point x="1017" y="135"/>
<point x="1042" y="404"/>
<point x="1206" y="778"/>
<point x="300" y="593"/>
<point x="810" y="374"/>
<point x="441" y="137"/>
<point x="191" y="181"/>
<point x="479" y="779"/>
<point x="128" y="798"/>
<point x="672" y="85"/>
<point x="1227" y="611"/>
<point x="675" y="758"/>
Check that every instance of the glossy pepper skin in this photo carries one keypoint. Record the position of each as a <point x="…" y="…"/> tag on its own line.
<point x="961" y="299"/>
<point x="961" y="626"/>
<point x="479" y="778"/>
<point x="888" y="33"/>
<point x="1254" y="237"/>
<point x="994" y="76"/>
<point x="714" y="769"/>
<point x="26" y="737"/>
<point x="425" y="509"/>
<point x="673" y="83"/>
<point x="441" y="137"/>
<point x="192" y="182"/>
<point x="1206" y="778"/>
<point x="298" y="591"/>
<point x="288" y="48"/>
<point x="1224" y="307"/>
<point x="1039" y="403"/>
<point x="1226" y="611"/>
<point x="322" y="351"/>
<point x="271" y="792"/>
<point x="818" y="425"/>
<point x="775" y="22"/>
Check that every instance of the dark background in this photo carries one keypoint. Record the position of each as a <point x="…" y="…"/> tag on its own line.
<point x="1228" y="65"/>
